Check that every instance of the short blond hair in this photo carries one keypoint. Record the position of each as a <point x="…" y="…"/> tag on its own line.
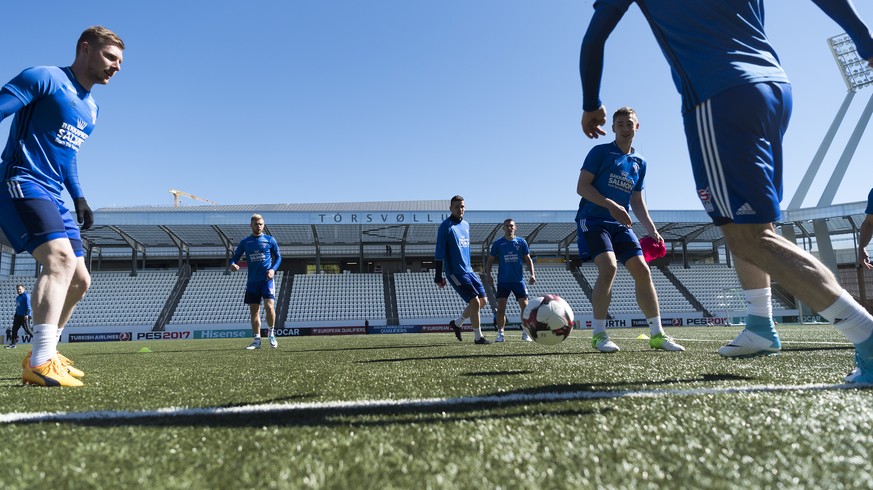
<point x="256" y="217"/>
<point x="98" y="35"/>
<point x="626" y="111"/>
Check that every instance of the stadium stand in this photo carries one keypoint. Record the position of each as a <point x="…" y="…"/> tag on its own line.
<point x="371" y="257"/>
<point x="216" y="297"/>
<point x="117" y="298"/>
<point x="352" y="298"/>
<point x="418" y="298"/>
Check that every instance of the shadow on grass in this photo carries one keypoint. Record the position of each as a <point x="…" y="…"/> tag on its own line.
<point x="497" y="373"/>
<point x="822" y="348"/>
<point x="411" y="413"/>
<point x="158" y="350"/>
<point x="549" y="400"/>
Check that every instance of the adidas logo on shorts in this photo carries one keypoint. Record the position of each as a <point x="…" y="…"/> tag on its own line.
<point x="745" y="209"/>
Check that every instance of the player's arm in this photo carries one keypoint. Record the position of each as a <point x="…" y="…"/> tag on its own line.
<point x="843" y="13"/>
<point x="84" y="215"/>
<point x="9" y="104"/>
<point x="235" y="258"/>
<point x="606" y="17"/>
<point x="585" y="188"/>
<point x="864" y="237"/>
<point x="439" y="255"/>
<point x="489" y="264"/>
<point x="529" y="262"/>
<point x="274" y="248"/>
<point x="641" y="211"/>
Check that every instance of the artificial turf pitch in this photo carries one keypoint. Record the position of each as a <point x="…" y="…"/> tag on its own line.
<point x="425" y="411"/>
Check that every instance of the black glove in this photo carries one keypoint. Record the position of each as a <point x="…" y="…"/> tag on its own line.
<point x="83" y="213"/>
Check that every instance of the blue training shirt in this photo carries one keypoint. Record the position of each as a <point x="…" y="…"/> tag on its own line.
<point x="869" y="209"/>
<point x="22" y="304"/>
<point x="54" y="115"/>
<point x="711" y="45"/>
<point x="617" y="175"/>
<point x="510" y="254"/>
<point x="453" y="247"/>
<point x="262" y="254"/>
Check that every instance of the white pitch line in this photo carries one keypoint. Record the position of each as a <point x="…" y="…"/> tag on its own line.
<point x="106" y="415"/>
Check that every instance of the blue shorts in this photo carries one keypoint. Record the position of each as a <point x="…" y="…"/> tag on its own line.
<point x="519" y="289"/>
<point x="468" y="286"/>
<point x="32" y="216"/>
<point x="257" y="290"/>
<point x="607" y="236"/>
<point x="735" y="143"/>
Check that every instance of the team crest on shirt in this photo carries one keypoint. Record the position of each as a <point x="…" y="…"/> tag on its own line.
<point x="706" y="199"/>
<point x="81" y="124"/>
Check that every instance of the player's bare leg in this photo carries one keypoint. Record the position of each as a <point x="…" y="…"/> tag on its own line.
<point x="255" y="312"/>
<point x="270" y="314"/>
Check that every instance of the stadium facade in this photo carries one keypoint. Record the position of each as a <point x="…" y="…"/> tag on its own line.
<point x="390" y="245"/>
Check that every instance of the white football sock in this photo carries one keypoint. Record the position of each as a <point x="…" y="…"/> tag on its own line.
<point x="44" y="344"/>
<point x="460" y="321"/>
<point x="599" y="326"/>
<point x="850" y="318"/>
<point x="655" y="325"/>
<point x="759" y="302"/>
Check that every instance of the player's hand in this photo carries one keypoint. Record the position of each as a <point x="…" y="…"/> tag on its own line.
<point x="441" y="282"/>
<point x="84" y="215"/>
<point x="234" y="267"/>
<point x="592" y="122"/>
<point x="621" y="215"/>
<point x="533" y="280"/>
<point x="658" y="238"/>
<point x="864" y="259"/>
<point x="270" y="273"/>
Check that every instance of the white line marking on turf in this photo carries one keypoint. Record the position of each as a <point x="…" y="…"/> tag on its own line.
<point x="105" y="415"/>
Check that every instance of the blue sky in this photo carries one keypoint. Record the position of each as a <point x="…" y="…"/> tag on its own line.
<point x="341" y="100"/>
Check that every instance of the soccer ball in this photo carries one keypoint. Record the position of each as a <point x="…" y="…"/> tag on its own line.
<point x="548" y="319"/>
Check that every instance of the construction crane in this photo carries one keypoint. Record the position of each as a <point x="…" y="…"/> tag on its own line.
<point x="177" y="194"/>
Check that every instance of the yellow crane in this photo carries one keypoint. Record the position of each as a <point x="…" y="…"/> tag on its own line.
<point x="177" y="194"/>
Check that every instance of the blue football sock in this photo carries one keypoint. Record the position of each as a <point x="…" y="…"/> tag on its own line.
<point x="865" y="348"/>
<point x="762" y="326"/>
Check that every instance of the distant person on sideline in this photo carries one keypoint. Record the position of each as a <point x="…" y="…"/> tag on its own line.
<point x="865" y="234"/>
<point x="453" y="254"/>
<point x="262" y="256"/>
<point x="54" y="114"/>
<point x="610" y="182"/>
<point x="21" y="318"/>
<point x="510" y="251"/>
<point x="736" y="103"/>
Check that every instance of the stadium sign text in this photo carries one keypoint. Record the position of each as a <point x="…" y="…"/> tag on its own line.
<point x="163" y="335"/>
<point x="382" y="217"/>
<point x="222" y="334"/>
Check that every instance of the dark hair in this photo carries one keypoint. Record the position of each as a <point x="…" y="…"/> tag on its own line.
<point x="99" y="35"/>
<point x="19" y="286"/>
<point x="457" y="198"/>
<point x="507" y="220"/>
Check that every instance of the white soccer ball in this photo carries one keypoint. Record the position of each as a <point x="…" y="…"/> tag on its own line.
<point x="548" y="319"/>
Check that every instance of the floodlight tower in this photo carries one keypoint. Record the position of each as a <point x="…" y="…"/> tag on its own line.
<point x="857" y="75"/>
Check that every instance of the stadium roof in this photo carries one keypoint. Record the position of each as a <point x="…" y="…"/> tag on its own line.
<point x="344" y="228"/>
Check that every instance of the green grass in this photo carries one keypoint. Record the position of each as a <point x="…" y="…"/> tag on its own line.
<point x="674" y="438"/>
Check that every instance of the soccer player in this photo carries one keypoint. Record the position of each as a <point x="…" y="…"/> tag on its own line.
<point x="510" y="251"/>
<point x="21" y="318"/>
<point x="262" y="255"/>
<point x="736" y="103"/>
<point x="453" y="254"/>
<point x="54" y="114"/>
<point x="610" y="181"/>
<point x="865" y="234"/>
